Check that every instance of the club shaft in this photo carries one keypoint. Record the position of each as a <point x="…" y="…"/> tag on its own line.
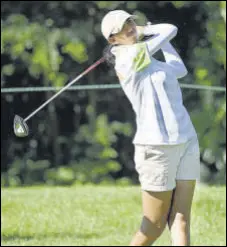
<point x="101" y="60"/>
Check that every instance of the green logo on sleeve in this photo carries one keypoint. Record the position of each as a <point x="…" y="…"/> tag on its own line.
<point x="142" y="59"/>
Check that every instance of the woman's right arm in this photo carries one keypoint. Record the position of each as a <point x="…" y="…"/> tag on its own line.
<point x="174" y="60"/>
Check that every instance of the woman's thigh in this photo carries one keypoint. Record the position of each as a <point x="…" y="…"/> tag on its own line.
<point x="182" y="201"/>
<point x="156" y="207"/>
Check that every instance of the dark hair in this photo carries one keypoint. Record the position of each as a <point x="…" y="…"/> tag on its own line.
<point x="109" y="56"/>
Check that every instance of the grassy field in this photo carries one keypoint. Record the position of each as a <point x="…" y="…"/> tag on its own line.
<point x="98" y="216"/>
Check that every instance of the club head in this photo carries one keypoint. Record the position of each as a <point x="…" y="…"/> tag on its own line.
<point x="20" y="127"/>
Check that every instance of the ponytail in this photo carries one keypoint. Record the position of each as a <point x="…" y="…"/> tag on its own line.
<point x="109" y="56"/>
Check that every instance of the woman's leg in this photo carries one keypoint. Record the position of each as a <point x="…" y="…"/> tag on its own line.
<point x="187" y="174"/>
<point x="157" y="167"/>
<point x="156" y="207"/>
<point x="180" y="212"/>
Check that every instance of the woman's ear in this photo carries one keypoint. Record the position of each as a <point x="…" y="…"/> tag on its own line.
<point x="112" y="40"/>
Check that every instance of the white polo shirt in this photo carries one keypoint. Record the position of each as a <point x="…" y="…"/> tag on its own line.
<point x="153" y="89"/>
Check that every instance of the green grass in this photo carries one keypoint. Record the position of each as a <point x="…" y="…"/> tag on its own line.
<point x="98" y="216"/>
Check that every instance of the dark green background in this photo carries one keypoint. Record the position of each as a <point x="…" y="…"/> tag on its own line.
<point x="86" y="136"/>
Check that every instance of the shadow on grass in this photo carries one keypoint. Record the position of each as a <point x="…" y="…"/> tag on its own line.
<point x="17" y="237"/>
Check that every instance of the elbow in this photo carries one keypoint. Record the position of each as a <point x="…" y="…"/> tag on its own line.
<point x="182" y="73"/>
<point x="172" y="27"/>
<point x="172" y="30"/>
<point x="179" y="69"/>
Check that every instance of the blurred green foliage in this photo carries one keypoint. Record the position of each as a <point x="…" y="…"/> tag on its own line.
<point x="86" y="137"/>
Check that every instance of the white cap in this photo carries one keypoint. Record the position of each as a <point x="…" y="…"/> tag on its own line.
<point x="113" y="22"/>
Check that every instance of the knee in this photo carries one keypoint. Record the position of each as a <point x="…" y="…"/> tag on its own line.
<point x="152" y="229"/>
<point x="180" y="222"/>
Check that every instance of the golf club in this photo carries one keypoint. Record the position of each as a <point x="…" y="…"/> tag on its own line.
<point x="21" y="128"/>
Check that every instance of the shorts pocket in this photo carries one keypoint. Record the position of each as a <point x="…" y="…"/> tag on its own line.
<point x="154" y="169"/>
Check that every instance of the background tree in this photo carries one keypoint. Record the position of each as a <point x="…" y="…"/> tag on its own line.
<point x="85" y="136"/>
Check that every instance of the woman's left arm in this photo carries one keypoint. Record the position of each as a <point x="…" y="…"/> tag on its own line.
<point x="165" y="33"/>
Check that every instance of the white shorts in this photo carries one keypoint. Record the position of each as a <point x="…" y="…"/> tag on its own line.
<point x="159" y="166"/>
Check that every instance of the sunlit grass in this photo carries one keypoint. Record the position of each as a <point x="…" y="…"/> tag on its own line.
<point x="98" y="216"/>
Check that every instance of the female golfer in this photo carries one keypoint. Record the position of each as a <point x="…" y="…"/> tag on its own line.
<point x="166" y="144"/>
